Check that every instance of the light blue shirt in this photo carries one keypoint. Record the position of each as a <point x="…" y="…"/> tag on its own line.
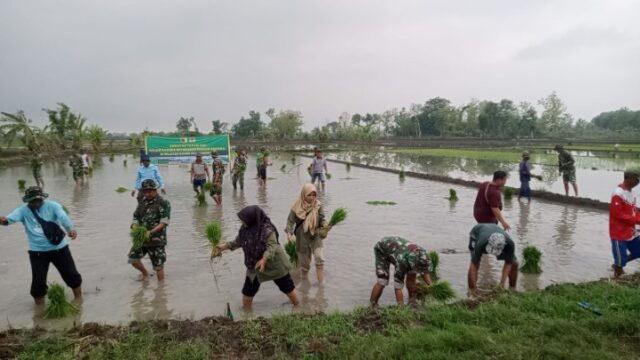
<point x="50" y="211"/>
<point x="145" y="173"/>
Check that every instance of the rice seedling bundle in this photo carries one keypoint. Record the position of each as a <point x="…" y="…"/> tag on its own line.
<point x="58" y="305"/>
<point x="283" y="168"/>
<point x="291" y="250"/>
<point x="121" y="189"/>
<point x="139" y="235"/>
<point x="508" y="193"/>
<point x="207" y="186"/>
<point x="338" y="216"/>
<point x="453" y="196"/>
<point x="22" y="183"/>
<point x="381" y="202"/>
<point x="124" y="162"/>
<point x="213" y="232"/>
<point x="402" y="175"/>
<point x="328" y="176"/>
<point x="441" y="291"/>
<point x="434" y="258"/>
<point x="293" y="158"/>
<point x="348" y="166"/>
<point x="531" y="256"/>
<point x="111" y="158"/>
<point x="201" y="199"/>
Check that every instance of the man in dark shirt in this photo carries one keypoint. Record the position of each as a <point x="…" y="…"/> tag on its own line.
<point x="488" y="206"/>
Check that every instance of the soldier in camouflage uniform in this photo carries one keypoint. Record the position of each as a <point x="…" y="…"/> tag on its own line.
<point x="153" y="212"/>
<point x="76" y="166"/>
<point x="36" y="167"/>
<point x="217" y="172"/>
<point x="408" y="260"/>
<point x="238" y="169"/>
<point x="567" y="167"/>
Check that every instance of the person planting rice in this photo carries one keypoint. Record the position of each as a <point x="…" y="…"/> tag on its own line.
<point x="567" y="167"/>
<point x="318" y="169"/>
<point x="153" y="213"/>
<point x="238" y="169"/>
<point x="217" y="174"/>
<point x="263" y="256"/>
<point x="487" y="208"/>
<point x="623" y="218"/>
<point x="75" y="162"/>
<point x="263" y="162"/>
<point x="199" y="174"/>
<point x="305" y="222"/>
<point x="491" y="239"/>
<point x="36" y="168"/>
<point x="146" y="170"/>
<point x="408" y="260"/>
<point x="48" y="243"/>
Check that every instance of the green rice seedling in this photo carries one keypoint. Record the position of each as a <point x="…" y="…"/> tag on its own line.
<point x="124" y="162"/>
<point x="111" y="158"/>
<point x="22" y="183"/>
<point x="453" y="196"/>
<point x="139" y="235"/>
<point x="531" y="256"/>
<point x="434" y="257"/>
<point x="122" y="189"/>
<point x="293" y="159"/>
<point x="201" y="199"/>
<point x="338" y="216"/>
<point x="58" y="305"/>
<point x="207" y="186"/>
<point x="402" y="175"/>
<point x="328" y="176"/>
<point x="441" y="291"/>
<point x="291" y="250"/>
<point x="348" y="166"/>
<point x="283" y="168"/>
<point x="381" y="202"/>
<point x="213" y="231"/>
<point x="508" y="193"/>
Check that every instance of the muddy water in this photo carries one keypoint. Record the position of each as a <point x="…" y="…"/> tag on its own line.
<point x="597" y="176"/>
<point x="574" y="242"/>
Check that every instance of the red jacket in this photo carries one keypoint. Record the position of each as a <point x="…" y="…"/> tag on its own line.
<point x="623" y="215"/>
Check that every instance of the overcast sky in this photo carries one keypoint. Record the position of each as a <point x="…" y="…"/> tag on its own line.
<point x="127" y="65"/>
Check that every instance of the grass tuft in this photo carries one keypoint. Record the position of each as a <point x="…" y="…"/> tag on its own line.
<point x="139" y="235"/>
<point x="439" y="290"/>
<point x="381" y="202"/>
<point x="453" y="196"/>
<point x="122" y="189"/>
<point x="507" y="192"/>
<point x="402" y="175"/>
<point x="58" y="305"/>
<point x="124" y="162"/>
<point x="531" y="256"/>
<point x="22" y="183"/>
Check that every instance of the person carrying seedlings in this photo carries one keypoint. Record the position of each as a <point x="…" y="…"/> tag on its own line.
<point x="44" y="221"/>
<point x="153" y="213"/>
<point x="238" y="169"/>
<point x="567" y="168"/>
<point x="487" y="208"/>
<point x="491" y="239"/>
<point x="263" y="256"/>
<point x="408" y="260"/>
<point x="623" y="218"/>
<point x="217" y="174"/>
<point x="305" y="222"/>
<point x="75" y="162"/>
<point x="86" y="161"/>
<point x="147" y="171"/>
<point x="318" y="168"/>
<point x="199" y="173"/>
<point x="36" y="168"/>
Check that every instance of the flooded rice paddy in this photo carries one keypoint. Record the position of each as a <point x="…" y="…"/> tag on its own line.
<point x="574" y="242"/>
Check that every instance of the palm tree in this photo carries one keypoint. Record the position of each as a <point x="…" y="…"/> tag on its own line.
<point x="95" y="134"/>
<point x="19" y="126"/>
<point x="76" y="130"/>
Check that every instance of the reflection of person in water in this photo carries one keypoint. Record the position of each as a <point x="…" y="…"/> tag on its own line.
<point x="566" y="226"/>
<point x="153" y="308"/>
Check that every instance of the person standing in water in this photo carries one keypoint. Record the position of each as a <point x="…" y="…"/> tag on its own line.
<point x="238" y="169"/>
<point x="319" y="168"/>
<point x="525" y="177"/>
<point x="408" y="260"/>
<point x="199" y="173"/>
<point x="264" y="258"/>
<point x="623" y="218"/>
<point x="491" y="239"/>
<point x="262" y="168"/>
<point x="147" y="171"/>
<point x="87" y="165"/>
<point x="488" y="205"/>
<point x="217" y="174"/>
<point x="75" y="162"/>
<point x="567" y="168"/>
<point x="36" y="168"/>
<point x="305" y="222"/>
<point x="153" y="212"/>
<point x="48" y="244"/>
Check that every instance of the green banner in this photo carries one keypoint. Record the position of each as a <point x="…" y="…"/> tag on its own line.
<point x="166" y="150"/>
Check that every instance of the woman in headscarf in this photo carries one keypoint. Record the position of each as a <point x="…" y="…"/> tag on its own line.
<point x="305" y="222"/>
<point x="264" y="258"/>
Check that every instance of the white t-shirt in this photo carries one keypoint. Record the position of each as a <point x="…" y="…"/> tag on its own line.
<point x="318" y="165"/>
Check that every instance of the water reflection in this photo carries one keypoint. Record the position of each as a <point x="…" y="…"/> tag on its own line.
<point x="144" y="307"/>
<point x="312" y="302"/>
<point x="566" y="227"/>
<point x="523" y="218"/>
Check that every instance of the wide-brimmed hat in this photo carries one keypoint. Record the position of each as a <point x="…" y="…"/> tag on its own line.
<point x="33" y="193"/>
<point x="149" y="184"/>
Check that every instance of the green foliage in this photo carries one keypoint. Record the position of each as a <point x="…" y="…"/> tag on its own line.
<point x="453" y="196"/>
<point x="338" y="216"/>
<point x="328" y="176"/>
<point x="402" y="175"/>
<point x="208" y="186"/>
<point x="184" y="125"/>
<point x="508" y="192"/>
<point x="124" y="162"/>
<point x="57" y="305"/>
<point x="381" y="202"/>
<point x="290" y="248"/>
<point x="96" y="135"/>
<point x="434" y="258"/>
<point x="19" y="126"/>
<point x="213" y="231"/>
<point x="201" y="199"/>
<point x="122" y="189"/>
<point x="531" y="256"/>
<point x="22" y="183"/>
<point x="139" y="235"/>
<point x="439" y="290"/>
<point x="286" y="124"/>
<point x="249" y="127"/>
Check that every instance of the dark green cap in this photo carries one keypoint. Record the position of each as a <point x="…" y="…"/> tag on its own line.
<point x="149" y="184"/>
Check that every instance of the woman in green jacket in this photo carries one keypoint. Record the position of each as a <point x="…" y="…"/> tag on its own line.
<point x="305" y="222"/>
<point x="264" y="258"/>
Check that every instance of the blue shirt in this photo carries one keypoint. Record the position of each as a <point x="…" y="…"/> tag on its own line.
<point x="145" y="173"/>
<point x="50" y="211"/>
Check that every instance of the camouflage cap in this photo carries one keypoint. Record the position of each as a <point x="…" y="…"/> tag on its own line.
<point x="149" y="184"/>
<point x="33" y="193"/>
<point x="214" y="153"/>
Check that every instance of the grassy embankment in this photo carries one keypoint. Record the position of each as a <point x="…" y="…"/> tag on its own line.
<point x="476" y="154"/>
<point x="544" y="324"/>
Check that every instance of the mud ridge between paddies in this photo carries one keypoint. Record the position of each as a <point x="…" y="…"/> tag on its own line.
<point x="540" y="324"/>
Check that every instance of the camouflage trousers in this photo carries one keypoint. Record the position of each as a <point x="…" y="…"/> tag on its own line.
<point x="157" y="255"/>
<point x="383" y="265"/>
<point x="236" y="178"/>
<point x="569" y="176"/>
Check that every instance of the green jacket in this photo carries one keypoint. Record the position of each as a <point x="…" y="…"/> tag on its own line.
<point x="278" y="264"/>
<point x="305" y="242"/>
